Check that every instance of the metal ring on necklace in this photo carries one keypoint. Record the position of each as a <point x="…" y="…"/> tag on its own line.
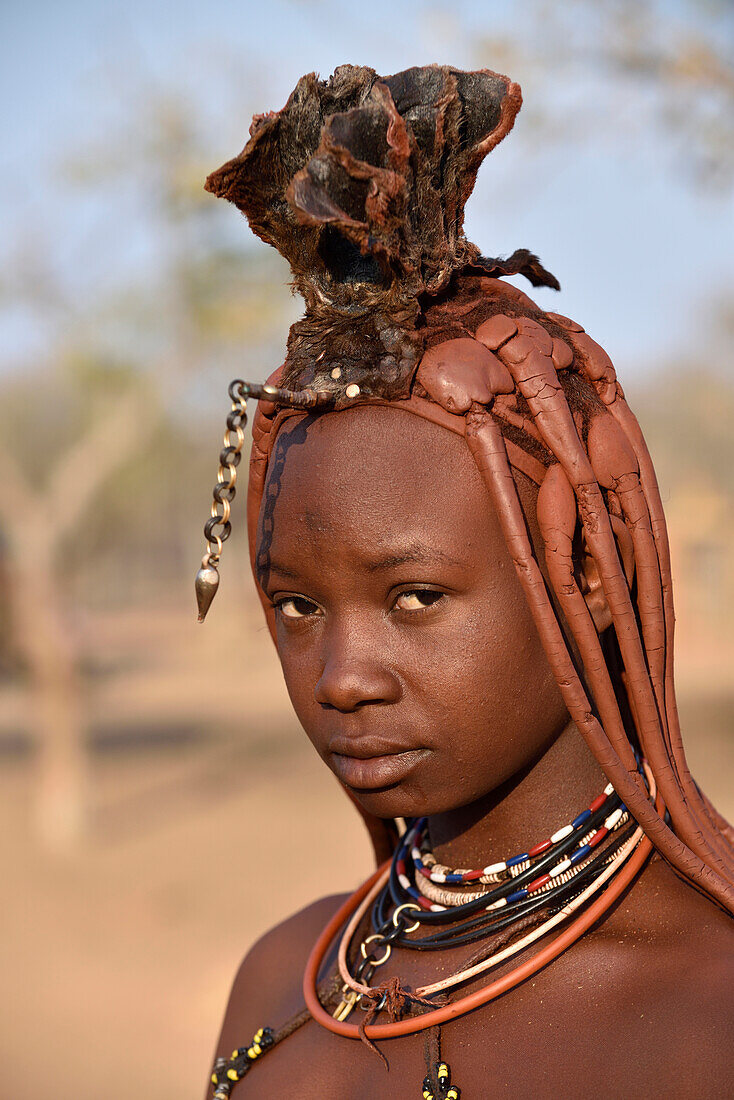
<point x="385" y="957"/>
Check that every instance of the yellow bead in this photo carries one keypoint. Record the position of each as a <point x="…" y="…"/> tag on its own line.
<point x="258" y="1035"/>
<point x="233" y="1075"/>
<point x="452" y="1094"/>
<point x="214" y="1079"/>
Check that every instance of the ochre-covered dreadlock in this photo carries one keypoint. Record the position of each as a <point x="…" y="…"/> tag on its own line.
<point x="361" y="183"/>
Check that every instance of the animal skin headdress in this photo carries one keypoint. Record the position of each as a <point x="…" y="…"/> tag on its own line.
<point x="360" y="182"/>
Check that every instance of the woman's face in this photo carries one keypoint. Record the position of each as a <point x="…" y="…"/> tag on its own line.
<point x="407" y="646"/>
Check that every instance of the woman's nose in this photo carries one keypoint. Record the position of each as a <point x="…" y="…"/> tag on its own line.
<point x="354" y="676"/>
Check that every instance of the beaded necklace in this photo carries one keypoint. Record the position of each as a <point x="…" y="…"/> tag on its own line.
<point x="427" y="864"/>
<point x="561" y="871"/>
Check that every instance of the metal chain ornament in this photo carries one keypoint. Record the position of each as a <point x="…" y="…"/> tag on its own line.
<point x="218" y="528"/>
<point x="207" y="579"/>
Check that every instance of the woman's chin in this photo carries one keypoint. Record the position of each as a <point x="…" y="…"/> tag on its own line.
<point x="397" y="800"/>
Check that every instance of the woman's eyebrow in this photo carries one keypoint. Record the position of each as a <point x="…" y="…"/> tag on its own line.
<point x="411" y="555"/>
<point x="276" y="567"/>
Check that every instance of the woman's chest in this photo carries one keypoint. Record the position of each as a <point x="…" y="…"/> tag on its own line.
<point x="533" y="1043"/>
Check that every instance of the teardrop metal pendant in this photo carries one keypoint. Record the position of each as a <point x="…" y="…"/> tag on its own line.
<point x="206" y="584"/>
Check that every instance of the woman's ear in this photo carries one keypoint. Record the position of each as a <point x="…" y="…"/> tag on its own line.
<point x="588" y="578"/>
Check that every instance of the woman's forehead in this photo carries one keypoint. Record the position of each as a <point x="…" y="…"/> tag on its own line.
<point x="373" y="450"/>
<point x="371" y="470"/>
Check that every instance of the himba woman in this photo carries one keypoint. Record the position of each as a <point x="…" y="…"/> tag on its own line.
<point x="459" y="544"/>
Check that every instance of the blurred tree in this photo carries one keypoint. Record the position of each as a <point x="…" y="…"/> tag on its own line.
<point x="687" y="419"/>
<point x="624" y="68"/>
<point x="125" y="375"/>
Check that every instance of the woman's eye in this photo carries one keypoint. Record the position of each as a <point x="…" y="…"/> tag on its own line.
<point x="418" y="599"/>
<point x="296" y="607"/>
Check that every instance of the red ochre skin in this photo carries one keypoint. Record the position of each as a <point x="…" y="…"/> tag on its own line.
<point x="367" y="506"/>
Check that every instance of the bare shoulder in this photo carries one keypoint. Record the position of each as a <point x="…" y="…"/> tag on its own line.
<point x="667" y="916"/>
<point x="267" y="986"/>
<point x="669" y="954"/>
<point x="269" y="978"/>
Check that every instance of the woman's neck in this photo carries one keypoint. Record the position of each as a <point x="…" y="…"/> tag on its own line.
<point x="523" y="811"/>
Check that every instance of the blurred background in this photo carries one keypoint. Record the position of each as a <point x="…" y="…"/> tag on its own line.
<point x="156" y="795"/>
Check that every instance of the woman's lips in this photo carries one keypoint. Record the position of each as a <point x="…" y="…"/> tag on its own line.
<point x="376" y="771"/>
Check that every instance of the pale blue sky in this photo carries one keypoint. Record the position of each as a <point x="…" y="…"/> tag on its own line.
<point x="585" y="207"/>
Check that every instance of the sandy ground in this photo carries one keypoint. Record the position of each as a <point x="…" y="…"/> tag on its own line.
<point x="117" y="958"/>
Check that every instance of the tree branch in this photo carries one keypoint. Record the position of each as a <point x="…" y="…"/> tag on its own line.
<point x="17" y="498"/>
<point x="111" y="441"/>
